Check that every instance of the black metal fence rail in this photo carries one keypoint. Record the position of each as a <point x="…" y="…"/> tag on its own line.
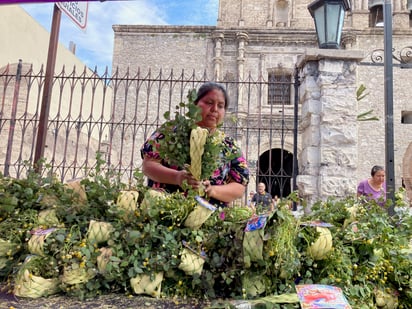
<point x="113" y="114"/>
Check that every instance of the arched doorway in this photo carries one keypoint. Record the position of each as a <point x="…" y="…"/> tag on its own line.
<point x="275" y="169"/>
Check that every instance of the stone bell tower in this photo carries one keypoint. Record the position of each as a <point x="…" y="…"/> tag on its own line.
<point x="277" y="14"/>
<point x="268" y="14"/>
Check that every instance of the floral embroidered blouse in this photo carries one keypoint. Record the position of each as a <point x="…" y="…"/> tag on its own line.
<point x="232" y="168"/>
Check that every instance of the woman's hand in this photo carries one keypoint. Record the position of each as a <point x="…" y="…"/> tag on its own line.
<point x="184" y="178"/>
<point x="208" y="188"/>
<point x="157" y="172"/>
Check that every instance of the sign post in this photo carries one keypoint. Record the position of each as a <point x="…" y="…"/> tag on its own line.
<point x="47" y="89"/>
<point x="77" y="11"/>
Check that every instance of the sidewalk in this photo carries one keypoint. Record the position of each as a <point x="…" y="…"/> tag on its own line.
<point x="112" y="301"/>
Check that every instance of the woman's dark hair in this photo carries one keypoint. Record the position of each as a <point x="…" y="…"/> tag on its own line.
<point x="209" y="86"/>
<point x="376" y="169"/>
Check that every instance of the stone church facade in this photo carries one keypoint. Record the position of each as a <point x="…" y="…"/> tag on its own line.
<point x="268" y="39"/>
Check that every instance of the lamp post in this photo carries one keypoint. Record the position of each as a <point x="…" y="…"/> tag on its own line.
<point x="388" y="89"/>
<point x="329" y="16"/>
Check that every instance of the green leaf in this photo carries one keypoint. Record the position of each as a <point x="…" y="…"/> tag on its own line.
<point x="60" y="237"/>
<point x="360" y="92"/>
<point x="114" y="259"/>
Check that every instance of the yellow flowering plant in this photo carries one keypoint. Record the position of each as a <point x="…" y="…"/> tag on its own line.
<point x="370" y="251"/>
<point x="370" y="257"/>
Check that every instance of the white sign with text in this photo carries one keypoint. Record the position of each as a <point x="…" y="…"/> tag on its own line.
<point x="76" y="10"/>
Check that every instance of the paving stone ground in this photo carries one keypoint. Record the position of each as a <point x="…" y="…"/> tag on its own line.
<point x="112" y="301"/>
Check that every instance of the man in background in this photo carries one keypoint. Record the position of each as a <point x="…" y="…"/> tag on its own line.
<point x="262" y="200"/>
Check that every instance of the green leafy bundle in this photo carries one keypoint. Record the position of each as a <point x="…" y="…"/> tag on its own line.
<point x="370" y="259"/>
<point x="174" y="147"/>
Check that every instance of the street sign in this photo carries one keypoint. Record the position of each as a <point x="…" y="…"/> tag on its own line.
<point x="76" y="10"/>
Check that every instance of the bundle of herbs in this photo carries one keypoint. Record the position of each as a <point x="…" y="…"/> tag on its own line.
<point x="370" y="258"/>
<point x="174" y="146"/>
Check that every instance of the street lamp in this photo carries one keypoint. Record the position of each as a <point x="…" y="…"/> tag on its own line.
<point x="329" y="16"/>
<point x="388" y="89"/>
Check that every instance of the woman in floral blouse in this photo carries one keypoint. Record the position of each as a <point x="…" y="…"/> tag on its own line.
<point x="228" y="181"/>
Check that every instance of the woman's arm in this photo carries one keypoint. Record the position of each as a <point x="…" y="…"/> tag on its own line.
<point x="360" y="190"/>
<point x="226" y="193"/>
<point x="157" y="172"/>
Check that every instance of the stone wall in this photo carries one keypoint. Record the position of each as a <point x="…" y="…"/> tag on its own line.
<point x="163" y="48"/>
<point x="329" y="127"/>
<point x="371" y="144"/>
<point x="264" y="14"/>
<point x="248" y="42"/>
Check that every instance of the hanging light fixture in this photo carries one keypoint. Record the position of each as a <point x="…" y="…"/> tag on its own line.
<point x="329" y="16"/>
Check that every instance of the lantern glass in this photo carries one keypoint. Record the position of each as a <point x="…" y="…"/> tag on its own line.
<point x="329" y="17"/>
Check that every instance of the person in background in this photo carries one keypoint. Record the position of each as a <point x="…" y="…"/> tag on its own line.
<point x="262" y="200"/>
<point x="275" y="200"/>
<point x="228" y="182"/>
<point x="375" y="186"/>
<point x="249" y="200"/>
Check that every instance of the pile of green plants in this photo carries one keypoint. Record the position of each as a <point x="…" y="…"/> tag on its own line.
<point x="99" y="236"/>
<point x="371" y="257"/>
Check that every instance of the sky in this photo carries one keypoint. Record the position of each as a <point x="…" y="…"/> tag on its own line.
<point x="94" y="45"/>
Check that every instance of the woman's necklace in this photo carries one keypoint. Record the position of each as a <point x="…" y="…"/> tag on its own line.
<point x="374" y="186"/>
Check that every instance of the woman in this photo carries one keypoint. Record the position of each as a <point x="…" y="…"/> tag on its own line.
<point x="228" y="182"/>
<point x="249" y="201"/>
<point x="374" y="187"/>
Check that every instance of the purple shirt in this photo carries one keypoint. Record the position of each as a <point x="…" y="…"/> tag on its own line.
<point x="364" y="188"/>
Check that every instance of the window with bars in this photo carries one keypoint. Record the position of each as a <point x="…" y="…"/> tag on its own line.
<point x="279" y="88"/>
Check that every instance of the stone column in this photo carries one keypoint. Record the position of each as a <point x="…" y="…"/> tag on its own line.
<point x="328" y="159"/>
<point x="217" y="59"/>
<point x="400" y="17"/>
<point x="269" y="20"/>
<point x="242" y="38"/>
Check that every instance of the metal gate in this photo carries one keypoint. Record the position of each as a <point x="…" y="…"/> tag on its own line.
<point x="113" y="114"/>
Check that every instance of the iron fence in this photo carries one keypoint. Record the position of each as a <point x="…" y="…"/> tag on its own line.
<point x="112" y="114"/>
